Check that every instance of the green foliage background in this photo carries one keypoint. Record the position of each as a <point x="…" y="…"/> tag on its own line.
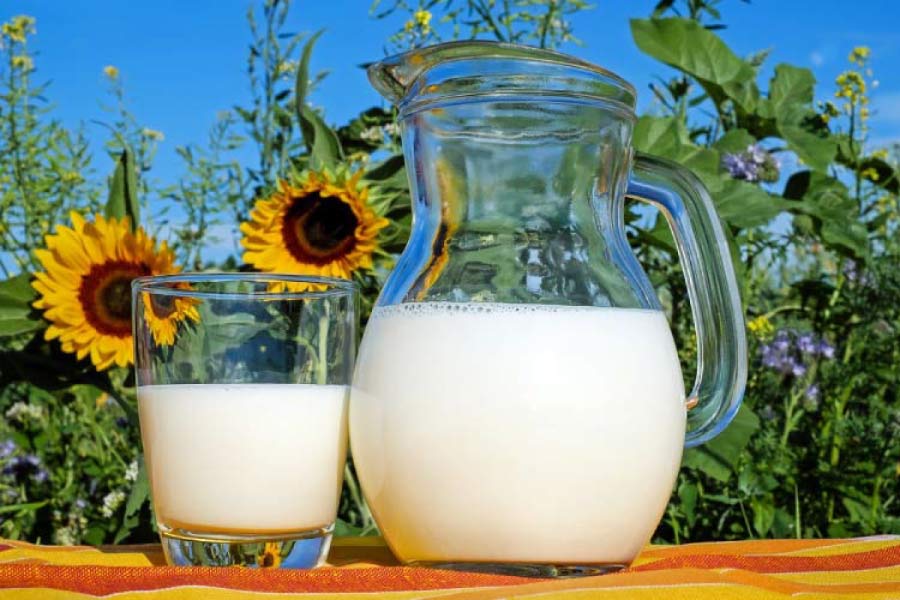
<point x="811" y="210"/>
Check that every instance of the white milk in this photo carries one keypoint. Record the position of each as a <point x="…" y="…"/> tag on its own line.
<point x="517" y="433"/>
<point x="250" y="458"/>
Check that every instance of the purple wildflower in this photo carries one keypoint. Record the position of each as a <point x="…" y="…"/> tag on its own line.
<point x="121" y="422"/>
<point x="20" y="466"/>
<point x="739" y="167"/>
<point x="855" y="274"/>
<point x="825" y="349"/>
<point x="788" y="351"/>
<point x="753" y="164"/>
<point x="7" y="448"/>
<point x="811" y="397"/>
<point x="40" y="476"/>
<point x="756" y="153"/>
<point x="80" y="504"/>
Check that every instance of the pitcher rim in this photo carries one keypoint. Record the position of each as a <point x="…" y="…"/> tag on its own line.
<point x="397" y="77"/>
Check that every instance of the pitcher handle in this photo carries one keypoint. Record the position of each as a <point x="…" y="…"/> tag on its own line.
<point x="712" y="289"/>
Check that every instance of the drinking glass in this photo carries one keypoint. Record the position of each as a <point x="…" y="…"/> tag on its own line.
<point x="242" y="385"/>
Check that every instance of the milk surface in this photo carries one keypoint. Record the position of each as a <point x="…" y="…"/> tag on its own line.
<point x="248" y="458"/>
<point x="517" y="433"/>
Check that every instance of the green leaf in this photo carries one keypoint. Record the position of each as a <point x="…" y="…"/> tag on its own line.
<point x="16" y="314"/>
<point x="816" y="151"/>
<point x="22" y="508"/>
<point x="791" y="86"/>
<point x="718" y="457"/>
<point x="790" y="104"/>
<point x="745" y="205"/>
<point x="689" y="47"/>
<point x="667" y="137"/>
<point x="344" y="529"/>
<point x="736" y="140"/>
<point x="763" y="515"/>
<point x="139" y="494"/>
<point x="687" y="494"/>
<point x="123" y="201"/>
<point x="851" y="236"/>
<point x="321" y="141"/>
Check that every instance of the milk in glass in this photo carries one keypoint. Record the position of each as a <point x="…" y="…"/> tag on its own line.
<point x="248" y="458"/>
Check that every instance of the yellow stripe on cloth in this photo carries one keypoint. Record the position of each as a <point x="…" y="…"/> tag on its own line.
<point x="362" y="569"/>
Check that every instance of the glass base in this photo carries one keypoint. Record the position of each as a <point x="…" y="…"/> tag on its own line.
<point x="556" y="571"/>
<point x="297" y="550"/>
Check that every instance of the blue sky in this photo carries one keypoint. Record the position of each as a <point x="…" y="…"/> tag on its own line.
<point x="183" y="61"/>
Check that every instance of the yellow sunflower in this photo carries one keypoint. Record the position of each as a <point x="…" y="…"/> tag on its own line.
<point x="321" y="224"/>
<point x="85" y="288"/>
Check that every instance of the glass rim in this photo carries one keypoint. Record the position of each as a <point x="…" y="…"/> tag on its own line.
<point x="160" y="285"/>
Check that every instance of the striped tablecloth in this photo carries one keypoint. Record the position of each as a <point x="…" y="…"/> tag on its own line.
<point x="866" y="568"/>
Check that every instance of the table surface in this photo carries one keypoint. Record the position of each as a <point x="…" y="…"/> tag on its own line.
<point x="866" y="568"/>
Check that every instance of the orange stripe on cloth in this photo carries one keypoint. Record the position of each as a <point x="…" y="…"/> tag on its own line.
<point x="100" y="581"/>
<point x="884" y="557"/>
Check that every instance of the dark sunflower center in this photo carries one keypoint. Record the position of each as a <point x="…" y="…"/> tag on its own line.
<point x="105" y="296"/>
<point x="319" y="229"/>
<point x="163" y="305"/>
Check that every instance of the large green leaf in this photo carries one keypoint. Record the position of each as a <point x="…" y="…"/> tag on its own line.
<point x="700" y="53"/>
<point x="321" y="141"/>
<point x="791" y="86"/>
<point x="745" y="205"/>
<point x="718" y="457"/>
<point x="851" y="236"/>
<point x="814" y="150"/>
<point x="735" y="141"/>
<point x="16" y="314"/>
<point x="790" y="104"/>
<point x="123" y="200"/>
<point x="667" y="137"/>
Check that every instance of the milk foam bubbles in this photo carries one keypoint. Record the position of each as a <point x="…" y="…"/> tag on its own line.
<point x="517" y="433"/>
<point x="250" y="458"/>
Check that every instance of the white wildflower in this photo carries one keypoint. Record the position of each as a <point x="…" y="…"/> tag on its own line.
<point x="131" y="471"/>
<point x="372" y="134"/>
<point x="111" y="502"/>
<point x="22" y="412"/>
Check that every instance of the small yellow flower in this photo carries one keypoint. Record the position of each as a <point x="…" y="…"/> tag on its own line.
<point x="761" y="327"/>
<point x="111" y="72"/>
<point x="71" y="177"/>
<point x="286" y="68"/>
<point x="103" y="400"/>
<point x="152" y="134"/>
<point x="23" y="62"/>
<point x="423" y="19"/>
<point x="869" y="173"/>
<point x="860" y="55"/>
<point x="881" y="154"/>
<point x="18" y="28"/>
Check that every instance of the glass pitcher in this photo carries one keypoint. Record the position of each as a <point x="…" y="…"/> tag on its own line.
<point x="518" y="404"/>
